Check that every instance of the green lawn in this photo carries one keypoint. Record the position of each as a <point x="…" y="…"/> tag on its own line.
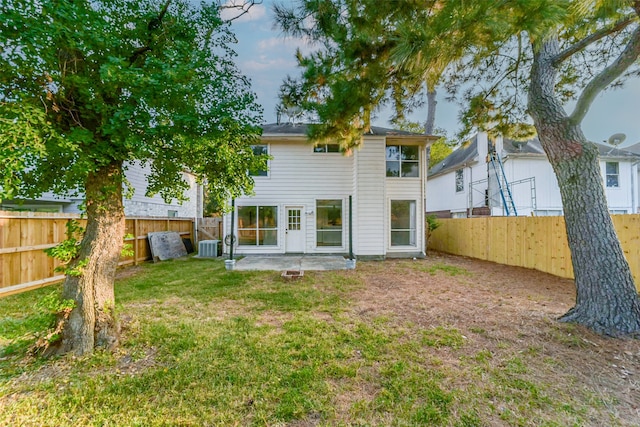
<point x="203" y="346"/>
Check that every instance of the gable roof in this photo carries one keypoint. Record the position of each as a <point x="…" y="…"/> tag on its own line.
<point x="466" y="153"/>
<point x="530" y="146"/>
<point x="534" y="147"/>
<point x="302" y="128"/>
<point x="635" y="148"/>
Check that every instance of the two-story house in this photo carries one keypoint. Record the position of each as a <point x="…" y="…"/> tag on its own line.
<point x="503" y="177"/>
<point x="313" y="199"/>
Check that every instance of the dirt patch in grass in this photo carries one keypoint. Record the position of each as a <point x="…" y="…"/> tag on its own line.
<point x="506" y="316"/>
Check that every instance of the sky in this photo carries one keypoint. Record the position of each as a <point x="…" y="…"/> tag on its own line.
<point x="266" y="56"/>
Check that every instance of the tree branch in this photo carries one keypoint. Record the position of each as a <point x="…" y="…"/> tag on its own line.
<point x="592" y="38"/>
<point x="154" y="24"/>
<point x="243" y="7"/>
<point x="628" y="56"/>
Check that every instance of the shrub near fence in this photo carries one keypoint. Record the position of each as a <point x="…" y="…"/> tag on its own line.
<point x="532" y="242"/>
<point x="25" y="235"/>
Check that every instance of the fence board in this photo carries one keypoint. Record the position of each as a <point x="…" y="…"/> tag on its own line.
<point x="532" y="242"/>
<point x="25" y="235"/>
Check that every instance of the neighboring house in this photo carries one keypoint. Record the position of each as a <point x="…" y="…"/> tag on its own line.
<point x="467" y="183"/>
<point x="301" y="202"/>
<point x="138" y="205"/>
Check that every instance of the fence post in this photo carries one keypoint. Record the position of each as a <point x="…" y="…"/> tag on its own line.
<point x="135" y="241"/>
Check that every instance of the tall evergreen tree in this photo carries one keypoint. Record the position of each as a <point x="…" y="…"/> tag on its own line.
<point x="356" y="69"/>
<point x="86" y="86"/>
<point x="510" y="61"/>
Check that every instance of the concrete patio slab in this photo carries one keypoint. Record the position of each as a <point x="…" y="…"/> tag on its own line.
<point x="290" y="262"/>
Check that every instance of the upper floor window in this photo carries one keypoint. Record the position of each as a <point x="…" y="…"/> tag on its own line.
<point x="459" y="180"/>
<point x="612" y="174"/>
<point x="403" y="161"/>
<point x="260" y="150"/>
<point x="326" y="148"/>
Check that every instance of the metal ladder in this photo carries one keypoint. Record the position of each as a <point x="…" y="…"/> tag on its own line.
<point x="503" y="185"/>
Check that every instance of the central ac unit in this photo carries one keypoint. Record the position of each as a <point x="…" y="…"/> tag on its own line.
<point x="208" y="248"/>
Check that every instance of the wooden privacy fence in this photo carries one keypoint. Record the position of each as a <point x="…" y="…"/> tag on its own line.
<point x="25" y="235"/>
<point x="532" y="242"/>
<point x="209" y="228"/>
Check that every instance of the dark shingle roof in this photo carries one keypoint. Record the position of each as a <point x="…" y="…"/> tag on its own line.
<point x="469" y="151"/>
<point x="533" y="146"/>
<point x="301" y="129"/>
<point x="635" y="148"/>
<point x="466" y="153"/>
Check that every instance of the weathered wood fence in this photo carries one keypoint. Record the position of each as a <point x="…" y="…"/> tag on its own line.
<point x="25" y="235"/>
<point x="532" y="242"/>
<point x="209" y="228"/>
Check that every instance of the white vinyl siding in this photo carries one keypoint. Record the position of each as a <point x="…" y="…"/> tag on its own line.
<point x="370" y="199"/>
<point x="142" y="205"/>
<point x="299" y="177"/>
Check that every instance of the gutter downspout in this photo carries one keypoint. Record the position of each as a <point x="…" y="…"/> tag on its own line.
<point x="231" y="235"/>
<point x="427" y="155"/>
<point x="351" y="227"/>
<point x="634" y="185"/>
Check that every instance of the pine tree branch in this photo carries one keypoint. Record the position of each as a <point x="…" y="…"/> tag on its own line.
<point x="592" y="38"/>
<point x="626" y="59"/>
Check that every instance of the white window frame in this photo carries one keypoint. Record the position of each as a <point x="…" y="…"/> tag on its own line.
<point x="324" y="149"/>
<point x="267" y="173"/>
<point x="257" y="228"/>
<point x="615" y="175"/>
<point x="413" y="223"/>
<point x="400" y="161"/>
<point x="342" y="223"/>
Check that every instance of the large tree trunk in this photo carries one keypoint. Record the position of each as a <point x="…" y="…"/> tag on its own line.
<point x="92" y="322"/>
<point x="430" y="123"/>
<point x="606" y="297"/>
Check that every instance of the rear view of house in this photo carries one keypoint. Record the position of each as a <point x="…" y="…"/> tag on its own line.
<point x="316" y="200"/>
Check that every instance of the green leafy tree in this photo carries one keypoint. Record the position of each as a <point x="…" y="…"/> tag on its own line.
<point x="87" y="87"/>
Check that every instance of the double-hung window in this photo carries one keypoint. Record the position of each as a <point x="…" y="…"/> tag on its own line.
<point x="258" y="225"/>
<point x="329" y="222"/>
<point x="459" y="180"/>
<point x="403" y="161"/>
<point x="260" y="150"/>
<point x="612" y="174"/>
<point x="403" y="223"/>
<point x="326" y="148"/>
